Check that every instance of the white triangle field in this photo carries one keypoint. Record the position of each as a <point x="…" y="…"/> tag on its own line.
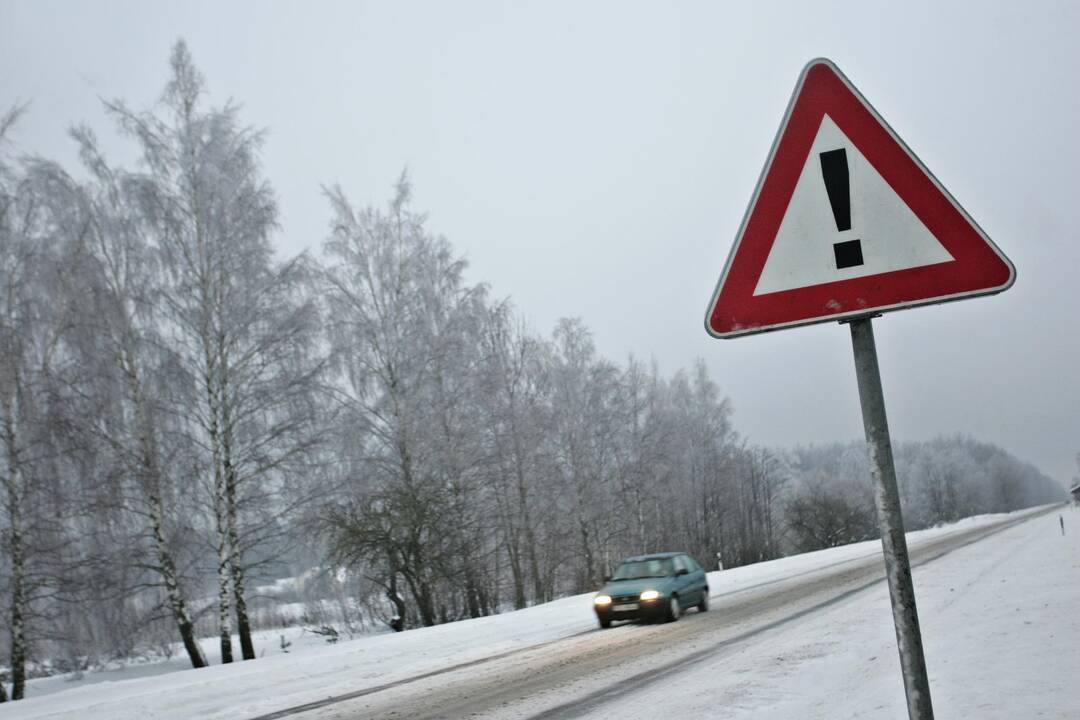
<point x="890" y="235"/>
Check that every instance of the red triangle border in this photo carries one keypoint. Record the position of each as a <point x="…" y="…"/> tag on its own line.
<point x="978" y="268"/>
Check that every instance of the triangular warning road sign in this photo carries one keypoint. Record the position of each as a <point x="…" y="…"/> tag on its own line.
<point x="845" y="222"/>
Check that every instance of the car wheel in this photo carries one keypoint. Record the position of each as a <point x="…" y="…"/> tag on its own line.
<point x="674" y="609"/>
<point x="604" y="623"/>
<point x="704" y="604"/>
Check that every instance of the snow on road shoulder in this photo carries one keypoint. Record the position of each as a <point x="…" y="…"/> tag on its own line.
<point x="1002" y="625"/>
<point x="248" y="689"/>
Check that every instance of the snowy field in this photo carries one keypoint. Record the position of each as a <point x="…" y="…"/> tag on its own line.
<point x="999" y="618"/>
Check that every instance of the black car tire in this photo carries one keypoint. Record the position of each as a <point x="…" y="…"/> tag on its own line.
<point x="703" y="606"/>
<point x="604" y="623"/>
<point x="674" y="609"/>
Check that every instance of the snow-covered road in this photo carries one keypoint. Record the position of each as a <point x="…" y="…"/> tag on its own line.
<point x="808" y="636"/>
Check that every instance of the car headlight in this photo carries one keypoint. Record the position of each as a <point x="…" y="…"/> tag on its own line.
<point x="602" y="599"/>
<point x="650" y="595"/>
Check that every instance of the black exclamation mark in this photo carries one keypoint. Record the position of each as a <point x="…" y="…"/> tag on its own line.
<point x="835" y="171"/>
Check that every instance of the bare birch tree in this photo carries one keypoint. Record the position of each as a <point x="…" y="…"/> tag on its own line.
<point x="33" y="319"/>
<point x="241" y="324"/>
<point x="124" y="314"/>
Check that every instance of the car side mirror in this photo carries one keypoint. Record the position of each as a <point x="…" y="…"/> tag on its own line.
<point x="681" y="571"/>
<point x="607" y="578"/>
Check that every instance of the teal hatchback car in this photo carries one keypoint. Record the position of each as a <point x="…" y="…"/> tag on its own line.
<point x="652" y="587"/>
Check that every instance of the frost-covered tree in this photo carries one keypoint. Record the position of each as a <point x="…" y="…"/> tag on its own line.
<point x="940" y="480"/>
<point x="16" y="298"/>
<point x="704" y="473"/>
<point x="398" y="311"/>
<point x="513" y="427"/>
<point x="829" y="511"/>
<point x="35" y="311"/>
<point x="133" y="416"/>
<point x="585" y="418"/>
<point x="241" y="325"/>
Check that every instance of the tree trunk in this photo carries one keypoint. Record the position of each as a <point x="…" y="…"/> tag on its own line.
<point x="18" y="600"/>
<point x="243" y="623"/>
<point x="167" y="568"/>
<point x="425" y="603"/>
<point x="539" y="595"/>
<point x="220" y="512"/>
<point x="526" y="519"/>
<point x="590" y="562"/>
<point x="224" y="621"/>
<point x="490" y="595"/>
<point x="472" y="595"/>
<point x="18" y="560"/>
<point x="212" y="364"/>
<point x="517" y="574"/>
<point x="221" y="523"/>
<point x="398" y="622"/>
<point x="151" y="486"/>
<point x="236" y="561"/>
<point x="427" y="606"/>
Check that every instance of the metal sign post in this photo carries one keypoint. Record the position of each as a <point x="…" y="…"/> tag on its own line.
<point x="890" y="521"/>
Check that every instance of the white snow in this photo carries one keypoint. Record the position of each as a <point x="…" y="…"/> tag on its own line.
<point x="999" y="618"/>
<point x="1000" y="629"/>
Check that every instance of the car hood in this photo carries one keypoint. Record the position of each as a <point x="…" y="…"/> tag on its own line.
<point x="636" y="586"/>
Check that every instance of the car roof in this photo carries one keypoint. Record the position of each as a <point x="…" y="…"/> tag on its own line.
<point x="654" y="556"/>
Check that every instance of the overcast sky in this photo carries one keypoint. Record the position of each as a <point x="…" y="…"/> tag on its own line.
<point x="595" y="159"/>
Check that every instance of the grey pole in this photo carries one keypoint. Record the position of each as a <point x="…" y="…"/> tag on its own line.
<point x="890" y="522"/>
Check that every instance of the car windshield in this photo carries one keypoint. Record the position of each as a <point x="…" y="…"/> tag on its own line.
<point x="654" y="568"/>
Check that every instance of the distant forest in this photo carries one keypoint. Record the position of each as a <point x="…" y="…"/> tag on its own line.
<point x="201" y="438"/>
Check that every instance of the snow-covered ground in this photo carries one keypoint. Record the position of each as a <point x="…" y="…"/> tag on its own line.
<point x="1000" y="626"/>
<point x="1001" y="630"/>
